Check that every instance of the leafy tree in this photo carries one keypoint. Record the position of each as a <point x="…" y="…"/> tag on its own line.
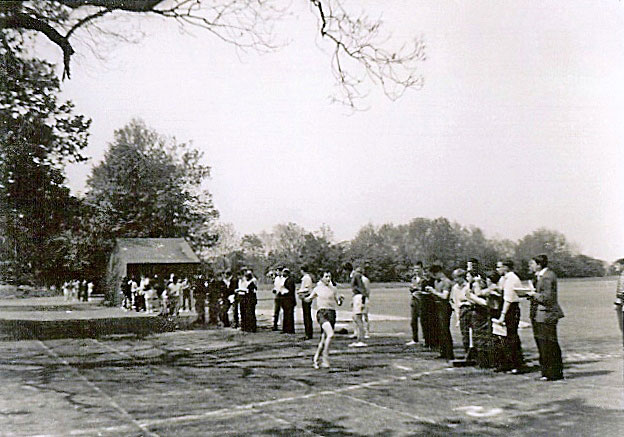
<point x="357" y="43"/>
<point x="149" y="185"/>
<point x="38" y="135"/>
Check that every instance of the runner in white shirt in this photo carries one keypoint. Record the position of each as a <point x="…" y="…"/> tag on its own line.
<point x="327" y="300"/>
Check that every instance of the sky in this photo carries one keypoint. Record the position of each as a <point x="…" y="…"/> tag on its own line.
<point x="519" y="124"/>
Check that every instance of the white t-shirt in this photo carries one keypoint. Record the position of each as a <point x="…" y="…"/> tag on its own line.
<point x="458" y="294"/>
<point x="325" y="296"/>
<point x="511" y="283"/>
<point x="278" y="285"/>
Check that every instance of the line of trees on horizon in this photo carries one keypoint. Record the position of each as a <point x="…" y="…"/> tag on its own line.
<point x="387" y="252"/>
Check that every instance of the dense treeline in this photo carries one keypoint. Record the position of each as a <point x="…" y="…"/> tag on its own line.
<point x="389" y="250"/>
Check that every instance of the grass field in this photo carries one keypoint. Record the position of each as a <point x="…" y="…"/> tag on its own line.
<point x="224" y="382"/>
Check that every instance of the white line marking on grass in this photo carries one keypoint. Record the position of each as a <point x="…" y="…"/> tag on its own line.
<point x="254" y="407"/>
<point x="170" y="374"/>
<point x="479" y="411"/>
<point x="383" y="407"/>
<point x="95" y="388"/>
<point x="403" y="367"/>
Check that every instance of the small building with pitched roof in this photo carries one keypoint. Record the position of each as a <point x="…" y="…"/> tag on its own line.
<point x="148" y="256"/>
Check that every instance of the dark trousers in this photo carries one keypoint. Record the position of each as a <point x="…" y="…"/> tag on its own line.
<point x="429" y="321"/>
<point x="223" y="312"/>
<point x="465" y="320"/>
<point x="511" y="358"/>
<point x="545" y="335"/>
<point x="248" y="312"/>
<point x="415" y="307"/>
<point x="307" y="318"/>
<point x="277" y="307"/>
<point x="213" y="311"/>
<point x="200" y="308"/>
<point x="444" y="323"/>
<point x="186" y="297"/>
<point x="288" y="306"/>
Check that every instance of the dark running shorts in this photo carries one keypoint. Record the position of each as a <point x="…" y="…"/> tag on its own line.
<point x="326" y="315"/>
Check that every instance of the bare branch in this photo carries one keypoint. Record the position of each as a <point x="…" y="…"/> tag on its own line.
<point x="23" y="21"/>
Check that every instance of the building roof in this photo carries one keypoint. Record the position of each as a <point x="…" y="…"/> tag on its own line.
<point x="155" y="251"/>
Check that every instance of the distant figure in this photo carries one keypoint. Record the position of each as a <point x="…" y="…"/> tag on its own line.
<point x="442" y="292"/>
<point x="358" y="300"/>
<point x="212" y="295"/>
<point x="416" y="288"/>
<point x="366" y="306"/>
<point x="288" y="302"/>
<point x="185" y="289"/>
<point x="619" y="295"/>
<point x="90" y="286"/>
<point x="545" y="314"/>
<point x="510" y="317"/>
<point x="199" y="293"/>
<point x="173" y="296"/>
<point x="278" y="284"/>
<point x="306" y="288"/>
<point x="222" y="284"/>
<point x="248" y="303"/>
<point x="463" y="308"/>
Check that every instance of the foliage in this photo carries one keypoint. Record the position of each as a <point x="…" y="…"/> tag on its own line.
<point x="38" y="135"/>
<point x="147" y="186"/>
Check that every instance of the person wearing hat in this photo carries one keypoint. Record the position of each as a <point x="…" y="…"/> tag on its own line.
<point x="288" y="302"/>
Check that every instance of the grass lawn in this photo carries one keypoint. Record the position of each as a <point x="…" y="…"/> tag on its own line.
<point x="224" y="382"/>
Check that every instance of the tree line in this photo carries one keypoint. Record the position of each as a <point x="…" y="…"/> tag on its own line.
<point x="388" y="251"/>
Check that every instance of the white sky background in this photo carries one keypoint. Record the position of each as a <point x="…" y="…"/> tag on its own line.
<point x="520" y="124"/>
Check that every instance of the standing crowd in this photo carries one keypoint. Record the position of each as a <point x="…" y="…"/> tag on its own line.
<point x="486" y="304"/>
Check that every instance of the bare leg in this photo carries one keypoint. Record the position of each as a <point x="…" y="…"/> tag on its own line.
<point x="319" y="350"/>
<point x="328" y="333"/>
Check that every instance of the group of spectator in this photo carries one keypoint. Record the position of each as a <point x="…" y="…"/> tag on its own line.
<point x="487" y="305"/>
<point x="221" y="292"/>
<point x="77" y="290"/>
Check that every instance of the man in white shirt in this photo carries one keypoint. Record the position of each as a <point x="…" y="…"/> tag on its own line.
<point x="278" y="284"/>
<point x="463" y="307"/>
<point x="511" y="359"/>
<point x="304" y="291"/>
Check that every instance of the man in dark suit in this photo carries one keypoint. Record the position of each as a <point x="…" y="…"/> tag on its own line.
<point x="545" y="314"/>
<point x="288" y="302"/>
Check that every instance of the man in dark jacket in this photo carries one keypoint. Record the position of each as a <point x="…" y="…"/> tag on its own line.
<point x="288" y="302"/>
<point x="545" y="314"/>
